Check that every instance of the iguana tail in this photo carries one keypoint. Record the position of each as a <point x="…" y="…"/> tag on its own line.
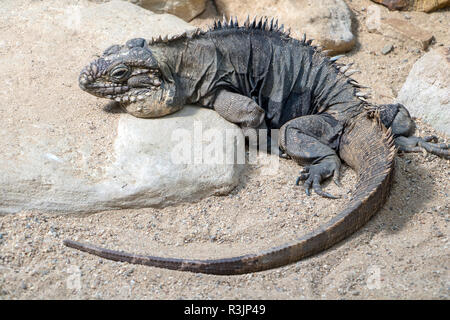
<point x="366" y="146"/>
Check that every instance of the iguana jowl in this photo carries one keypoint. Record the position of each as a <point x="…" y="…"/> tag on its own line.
<point x="255" y="75"/>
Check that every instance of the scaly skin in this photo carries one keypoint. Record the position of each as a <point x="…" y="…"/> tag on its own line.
<point x="257" y="76"/>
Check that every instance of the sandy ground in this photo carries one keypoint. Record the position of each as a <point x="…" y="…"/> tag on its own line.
<point x="402" y="253"/>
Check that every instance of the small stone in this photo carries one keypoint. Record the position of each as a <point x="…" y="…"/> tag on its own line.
<point x="53" y="232"/>
<point x="387" y="48"/>
<point x="129" y="272"/>
<point x="439" y="234"/>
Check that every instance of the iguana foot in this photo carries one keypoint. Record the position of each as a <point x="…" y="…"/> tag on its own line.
<point x="418" y="144"/>
<point x="314" y="174"/>
<point x="397" y="117"/>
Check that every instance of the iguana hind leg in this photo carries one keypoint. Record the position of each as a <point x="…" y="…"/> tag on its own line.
<point x="311" y="141"/>
<point x="397" y="117"/>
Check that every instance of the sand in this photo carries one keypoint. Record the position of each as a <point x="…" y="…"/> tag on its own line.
<point x="402" y="253"/>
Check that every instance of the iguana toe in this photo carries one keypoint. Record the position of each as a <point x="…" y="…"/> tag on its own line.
<point x="417" y="144"/>
<point x="313" y="176"/>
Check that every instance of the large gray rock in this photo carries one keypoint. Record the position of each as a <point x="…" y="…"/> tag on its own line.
<point x="327" y="21"/>
<point x="60" y="152"/>
<point x="426" y="91"/>
<point x="154" y="166"/>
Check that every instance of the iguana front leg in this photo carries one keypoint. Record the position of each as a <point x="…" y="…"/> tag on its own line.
<point x="239" y="109"/>
<point x="310" y="140"/>
<point x="397" y="117"/>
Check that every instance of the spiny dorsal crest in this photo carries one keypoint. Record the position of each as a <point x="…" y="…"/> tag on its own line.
<point x="263" y="23"/>
<point x="186" y="34"/>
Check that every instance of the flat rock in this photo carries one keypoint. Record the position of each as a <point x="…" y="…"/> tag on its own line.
<point x="426" y="91"/>
<point x="413" y="33"/>
<point x="397" y="29"/>
<point x="327" y="21"/>
<point x="60" y="151"/>
<point x="414" y="5"/>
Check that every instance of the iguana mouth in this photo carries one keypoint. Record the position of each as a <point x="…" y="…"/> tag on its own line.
<point x="104" y="90"/>
<point x="140" y="84"/>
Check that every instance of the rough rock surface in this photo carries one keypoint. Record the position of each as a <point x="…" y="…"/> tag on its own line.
<point x="326" y="21"/>
<point x="60" y="151"/>
<point x="426" y="91"/>
<point x="186" y="9"/>
<point x="414" y="5"/>
<point x="397" y="29"/>
<point x="146" y="171"/>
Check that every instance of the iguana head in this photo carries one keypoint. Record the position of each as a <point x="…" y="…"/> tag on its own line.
<point x="131" y="75"/>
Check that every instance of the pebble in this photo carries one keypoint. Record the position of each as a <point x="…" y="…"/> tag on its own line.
<point x="387" y="48"/>
<point x="53" y="232"/>
<point x="439" y="234"/>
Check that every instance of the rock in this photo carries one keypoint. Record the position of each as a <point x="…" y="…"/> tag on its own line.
<point x="186" y="9"/>
<point x="387" y="48"/>
<point x="394" y="4"/>
<point x="117" y="21"/>
<point x="326" y="21"/>
<point x="397" y="29"/>
<point x="426" y="91"/>
<point x="414" y="5"/>
<point x="421" y="37"/>
<point x="60" y="151"/>
<point x="148" y="170"/>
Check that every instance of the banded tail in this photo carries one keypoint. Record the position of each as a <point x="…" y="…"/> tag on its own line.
<point x="366" y="146"/>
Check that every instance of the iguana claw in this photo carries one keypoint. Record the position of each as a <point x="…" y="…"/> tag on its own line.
<point x="314" y="174"/>
<point x="417" y="144"/>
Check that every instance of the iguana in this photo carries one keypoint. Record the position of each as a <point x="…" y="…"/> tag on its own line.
<point x="256" y="75"/>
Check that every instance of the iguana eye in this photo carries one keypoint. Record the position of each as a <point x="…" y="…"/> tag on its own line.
<point x="119" y="72"/>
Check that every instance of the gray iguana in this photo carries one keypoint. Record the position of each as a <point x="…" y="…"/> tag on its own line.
<point x="256" y="75"/>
